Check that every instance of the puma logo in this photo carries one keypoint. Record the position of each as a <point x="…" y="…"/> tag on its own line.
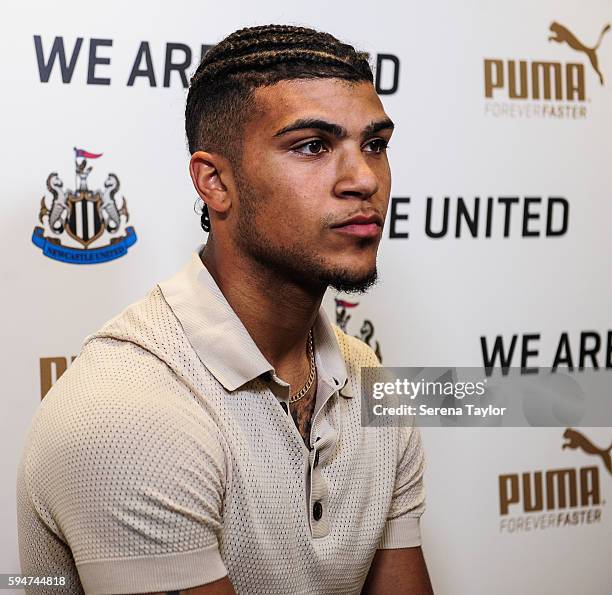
<point x="564" y="35"/>
<point x="577" y="440"/>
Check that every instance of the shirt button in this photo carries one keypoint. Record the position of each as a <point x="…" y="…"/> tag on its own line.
<point x="317" y="510"/>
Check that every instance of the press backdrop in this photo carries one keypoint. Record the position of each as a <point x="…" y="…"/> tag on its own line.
<point x="502" y="108"/>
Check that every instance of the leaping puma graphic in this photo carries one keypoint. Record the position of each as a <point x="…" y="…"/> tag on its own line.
<point x="577" y="440"/>
<point x="564" y="35"/>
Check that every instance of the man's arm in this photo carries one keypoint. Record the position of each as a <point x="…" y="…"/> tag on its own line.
<point x="400" y="571"/>
<point x="137" y="478"/>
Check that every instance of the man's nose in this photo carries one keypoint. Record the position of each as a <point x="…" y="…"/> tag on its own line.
<point x="355" y="176"/>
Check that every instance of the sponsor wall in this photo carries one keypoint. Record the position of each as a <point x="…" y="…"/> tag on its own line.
<point x="496" y="248"/>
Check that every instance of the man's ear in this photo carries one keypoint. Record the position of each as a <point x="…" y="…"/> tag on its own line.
<point x="212" y="178"/>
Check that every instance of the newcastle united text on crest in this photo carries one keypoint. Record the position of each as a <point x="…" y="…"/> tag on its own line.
<point x="82" y="226"/>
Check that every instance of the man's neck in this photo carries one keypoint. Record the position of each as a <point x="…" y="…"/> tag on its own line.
<point x="277" y="314"/>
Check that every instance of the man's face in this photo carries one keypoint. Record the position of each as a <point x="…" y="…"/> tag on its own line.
<point x="300" y="181"/>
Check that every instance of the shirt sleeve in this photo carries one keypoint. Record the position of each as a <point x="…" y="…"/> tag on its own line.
<point x="126" y="468"/>
<point x="402" y="528"/>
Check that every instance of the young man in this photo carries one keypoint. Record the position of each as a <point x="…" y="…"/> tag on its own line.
<point x="208" y="439"/>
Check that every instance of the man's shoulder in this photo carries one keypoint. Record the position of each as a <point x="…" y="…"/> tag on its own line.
<point x="147" y="318"/>
<point x="134" y="367"/>
<point x="116" y="383"/>
<point x="117" y="399"/>
<point x="151" y="325"/>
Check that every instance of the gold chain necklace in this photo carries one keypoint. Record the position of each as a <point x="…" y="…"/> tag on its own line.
<point x="311" y="375"/>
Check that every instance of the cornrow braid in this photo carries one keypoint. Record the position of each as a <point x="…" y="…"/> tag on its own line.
<point x="290" y="37"/>
<point x="248" y="51"/>
<point x="265" y="58"/>
<point x="247" y="32"/>
<point x="220" y="98"/>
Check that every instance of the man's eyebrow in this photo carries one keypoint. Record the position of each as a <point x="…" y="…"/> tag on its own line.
<point x="334" y="129"/>
<point x="304" y="123"/>
<point x="374" y="127"/>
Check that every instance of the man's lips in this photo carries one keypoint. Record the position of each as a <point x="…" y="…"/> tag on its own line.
<point x="364" y="225"/>
<point x="360" y="230"/>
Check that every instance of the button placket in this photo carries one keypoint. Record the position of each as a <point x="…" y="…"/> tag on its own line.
<point x="323" y="446"/>
<point x="317" y="497"/>
<point x="318" y="505"/>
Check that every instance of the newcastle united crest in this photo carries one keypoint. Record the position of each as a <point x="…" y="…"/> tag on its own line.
<point x="83" y="226"/>
<point x="366" y="332"/>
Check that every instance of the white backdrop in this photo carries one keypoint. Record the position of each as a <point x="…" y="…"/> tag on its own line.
<point x="437" y="297"/>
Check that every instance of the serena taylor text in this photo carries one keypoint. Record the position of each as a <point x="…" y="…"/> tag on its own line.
<point x="424" y="410"/>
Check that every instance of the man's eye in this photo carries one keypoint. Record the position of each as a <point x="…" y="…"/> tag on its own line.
<point x="314" y="148"/>
<point x="380" y="145"/>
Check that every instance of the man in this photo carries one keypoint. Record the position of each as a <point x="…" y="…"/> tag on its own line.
<point x="208" y="439"/>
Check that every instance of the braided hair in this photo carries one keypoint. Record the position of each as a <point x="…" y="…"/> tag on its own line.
<point x="220" y="98"/>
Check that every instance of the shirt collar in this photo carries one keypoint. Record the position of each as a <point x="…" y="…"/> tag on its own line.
<point x="222" y="342"/>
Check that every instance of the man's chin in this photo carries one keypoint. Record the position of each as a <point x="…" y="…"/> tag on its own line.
<point x="348" y="282"/>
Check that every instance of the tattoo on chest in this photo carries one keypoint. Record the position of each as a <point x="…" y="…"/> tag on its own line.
<point x="302" y="411"/>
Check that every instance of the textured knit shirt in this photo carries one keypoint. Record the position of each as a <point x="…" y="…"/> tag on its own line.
<point x="164" y="459"/>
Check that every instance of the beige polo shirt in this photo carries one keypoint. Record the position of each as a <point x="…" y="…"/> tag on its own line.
<point x="163" y="459"/>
